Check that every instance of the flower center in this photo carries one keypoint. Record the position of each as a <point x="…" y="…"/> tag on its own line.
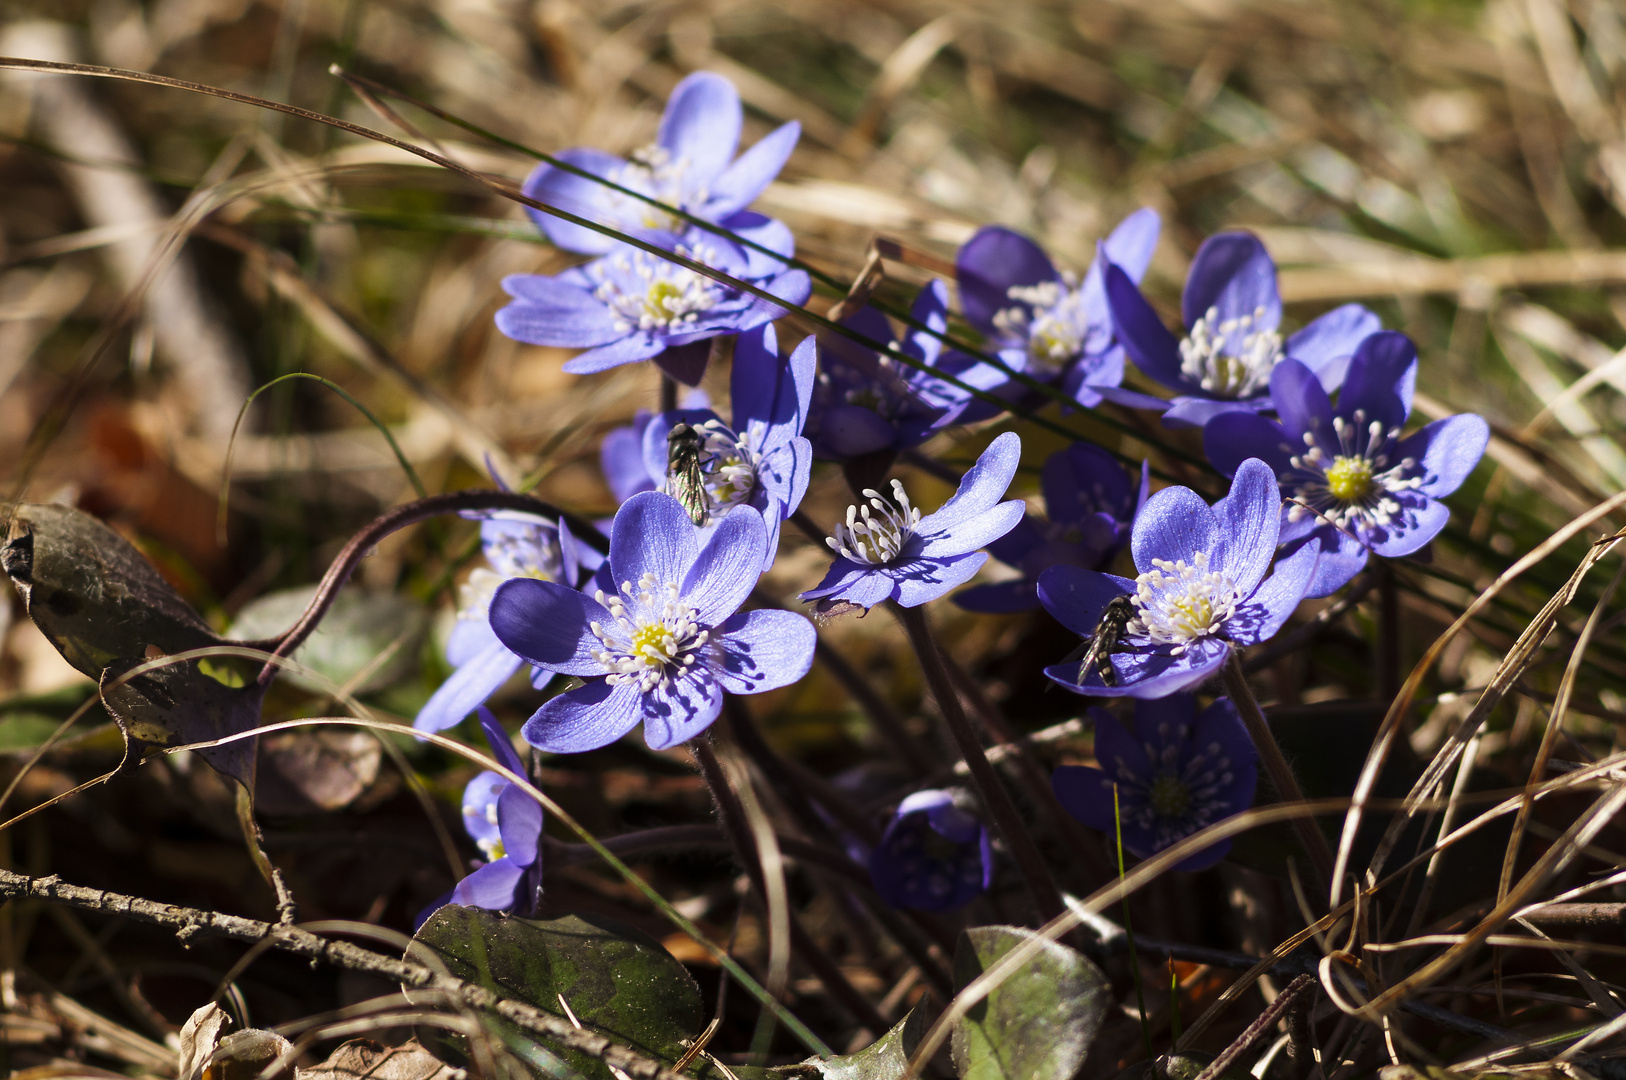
<point x="731" y="466"/>
<point x="1352" y="484"/>
<point x="1230" y="359"/>
<point x="534" y="557"/>
<point x="647" y="293"/>
<point x="655" y="635"/>
<point x="1179" y="603"/>
<point x="654" y="169"/>
<point x="1053" y="334"/>
<point x="1170" y="796"/>
<point x="1180" y="797"/>
<point x="874" y="539"/>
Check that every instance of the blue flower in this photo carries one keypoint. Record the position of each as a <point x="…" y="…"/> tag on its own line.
<point x="1353" y="484"/>
<point x="506" y="824"/>
<point x="516" y="545"/>
<point x="762" y="461"/>
<point x="630" y="305"/>
<point x="1180" y="771"/>
<point x="933" y="856"/>
<point x="1201" y="588"/>
<point x="691" y="166"/>
<point x="621" y="458"/>
<point x="1041" y="321"/>
<point x="1091" y="503"/>
<point x="666" y="646"/>
<point x="893" y="553"/>
<point x="1233" y="313"/>
<point x="867" y="402"/>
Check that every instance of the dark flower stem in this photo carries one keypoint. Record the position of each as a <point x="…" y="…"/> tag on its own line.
<point x="1275" y="763"/>
<point x="1264" y="1025"/>
<point x="1002" y="811"/>
<point x="731" y="815"/>
<point x="1388" y="633"/>
<point x="668" y="392"/>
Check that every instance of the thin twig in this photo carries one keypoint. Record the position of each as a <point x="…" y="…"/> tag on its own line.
<point x="1255" y="1031"/>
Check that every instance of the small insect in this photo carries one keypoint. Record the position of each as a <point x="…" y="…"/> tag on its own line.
<point x="1109" y="632"/>
<point x="684" y="480"/>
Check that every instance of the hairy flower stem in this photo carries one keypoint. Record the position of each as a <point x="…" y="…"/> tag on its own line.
<point x="731" y="815"/>
<point x="1275" y="763"/>
<point x="1002" y="811"/>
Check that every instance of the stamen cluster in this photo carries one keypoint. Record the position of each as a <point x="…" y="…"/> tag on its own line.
<point x="1049" y="320"/>
<point x="730" y="464"/>
<point x="656" y="634"/>
<point x="1178" y="603"/>
<point x="1178" y="797"/>
<point x="873" y="539"/>
<point x="647" y="293"/>
<point x="1229" y="358"/>
<point x="1352" y="485"/>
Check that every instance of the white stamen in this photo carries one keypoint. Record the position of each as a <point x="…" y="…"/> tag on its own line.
<point x="655" y="634"/>
<point x="1230" y="359"/>
<point x="1353" y="484"/>
<point x="875" y="539"/>
<point x="1179" y="604"/>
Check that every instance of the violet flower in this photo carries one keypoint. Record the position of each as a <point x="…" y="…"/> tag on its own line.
<point x="1353" y="485"/>
<point x="665" y="647"/>
<point x="1042" y="321"/>
<point x="933" y="855"/>
<point x="762" y="461"/>
<point x="887" y="551"/>
<point x="621" y="458"/>
<point x="867" y="402"/>
<point x="1201" y="589"/>
<point x="690" y="166"/>
<point x="516" y="545"/>
<point x="1179" y="772"/>
<point x="1232" y="312"/>
<point x="1091" y="502"/>
<point x="629" y="305"/>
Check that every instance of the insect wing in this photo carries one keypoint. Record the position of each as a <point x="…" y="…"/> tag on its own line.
<point x="684" y="480"/>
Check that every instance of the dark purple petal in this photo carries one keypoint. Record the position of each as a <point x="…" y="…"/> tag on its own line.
<point x="1302" y="403"/>
<point x="1419" y="521"/>
<point x="1173" y="524"/>
<point x="1011" y="547"/>
<point x="501" y="747"/>
<point x="547" y="624"/>
<point x="920" y="581"/>
<point x="1447" y="450"/>
<point x="1083" y="479"/>
<point x="727" y="568"/>
<point x="930" y="309"/>
<point x="1086" y="792"/>
<point x="1341" y="558"/>
<point x="1232" y="272"/>
<point x="585" y="718"/>
<point x="701" y="125"/>
<point x="741" y="182"/>
<point x="520" y="818"/>
<point x="1184" y="412"/>
<point x="681" y="707"/>
<point x="1331" y="337"/>
<point x="686" y="362"/>
<point x="982" y="487"/>
<point x="1075" y="597"/>
<point x="580" y="196"/>
<point x="1380" y="380"/>
<point x="1142" y="334"/>
<point x="1131" y="399"/>
<point x="494" y="886"/>
<point x="974" y="533"/>
<point x="1000" y="598"/>
<point x="762" y="650"/>
<point x="1249" y="520"/>
<point x="1273" y="603"/>
<point x="1232" y="438"/>
<point x="621" y="458"/>
<point x="652" y="534"/>
<point x="988" y="264"/>
<point x="628" y="350"/>
<point x="846" y="431"/>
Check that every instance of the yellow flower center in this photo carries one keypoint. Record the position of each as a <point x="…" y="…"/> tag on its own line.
<point x="1349" y="479"/>
<point x="1170" y="796"/>
<point x="1193" y="614"/>
<point x="654" y="643"/>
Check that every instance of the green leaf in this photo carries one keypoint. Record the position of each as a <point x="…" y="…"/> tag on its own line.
<point x="617" y="980"/>
<point x="1039" y="1022"/>
<point x="107" y="610"/>
<point x="355" y="632"/>
<point x="887" y="1058"/>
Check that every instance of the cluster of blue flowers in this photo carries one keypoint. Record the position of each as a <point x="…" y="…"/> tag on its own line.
<point x="1309" y="427"/>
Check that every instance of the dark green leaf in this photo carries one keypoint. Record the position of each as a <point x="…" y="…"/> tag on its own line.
<point x="107" y="610"/>
<point x="887" y="1058"/>
<point x="1039" y="1022"/>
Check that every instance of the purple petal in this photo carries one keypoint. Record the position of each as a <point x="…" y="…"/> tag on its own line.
<point x="1419" y="521"/>
<point x="1380" y="380"/>
<point x="652" y="534"/>
<point x="492" y="887"/>
<point x="930" y="309"/>
<point x="520" y="818"/>
<point x="1174" y="524"/>
<point x="1184" y="412"/>
<point x="585" y="718"/>
<point x="920" y="581"/>
<point x="1155" y="676"/>
<point x="1000" y="598"/>
<point x="1075" y="597"/>
<point x="468" y="639"/>
<point x="566" y="318"/>
<point x="1233" y="273"/>
<point x="501" y="747"/>
<point x="621" y="458"/>
<point x="1131" y="399"/>
<point x="1330" y="337"/>
<point x="1083" y="479"/>
<point x="846" y="431"/>
<point x="981" y="488"/>
<point x="1011" y="547"/>
<point x="762" y="232"/>
<point x="701" y="126"/>
<point x="762" y="650"/>
<point x="547" y="624"/>
<point x="1273" y="603"/>
<point x="1086" y="792"/>
<point x="1121" y="751"/>
<point x="1142" y="334"/>
<point x="681" y="707"/>
<point x="755" y="383"/>
<point x="1249" y="521"/>
<point x="1302" y="403"/>
<point x="480" y="797"/>
<point x="1232" y="438"/>
<point x="727" y="568"/>
<point x="580" y="196"/>
<point x="974" y="533"/>
<point x="741" y="182"/>
<point x="628" y="350"/>
<point x="1131" y="244"/>
<point x="986" y="267"/>
<point x="686" y="363"/>
<point x="1220" y="723"/>
<point x="1341" y="558"/>
<point x="1447" y="450"/>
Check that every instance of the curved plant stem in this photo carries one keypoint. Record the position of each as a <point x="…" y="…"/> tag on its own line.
<point x="1275" y="763"/>
<point x="1002" y="811"/>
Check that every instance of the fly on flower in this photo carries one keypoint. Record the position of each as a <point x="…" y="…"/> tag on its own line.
<point x="1109" y="634"/>
<point x="684" y="482"/>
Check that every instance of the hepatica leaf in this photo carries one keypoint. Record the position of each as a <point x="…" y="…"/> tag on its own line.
<point x="887" y="1058"/>
<point x="618" y="980"/>
<point x="352" y="640"/>
<point x="107" y="611"/>
<point x="1038" y="1022"/>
